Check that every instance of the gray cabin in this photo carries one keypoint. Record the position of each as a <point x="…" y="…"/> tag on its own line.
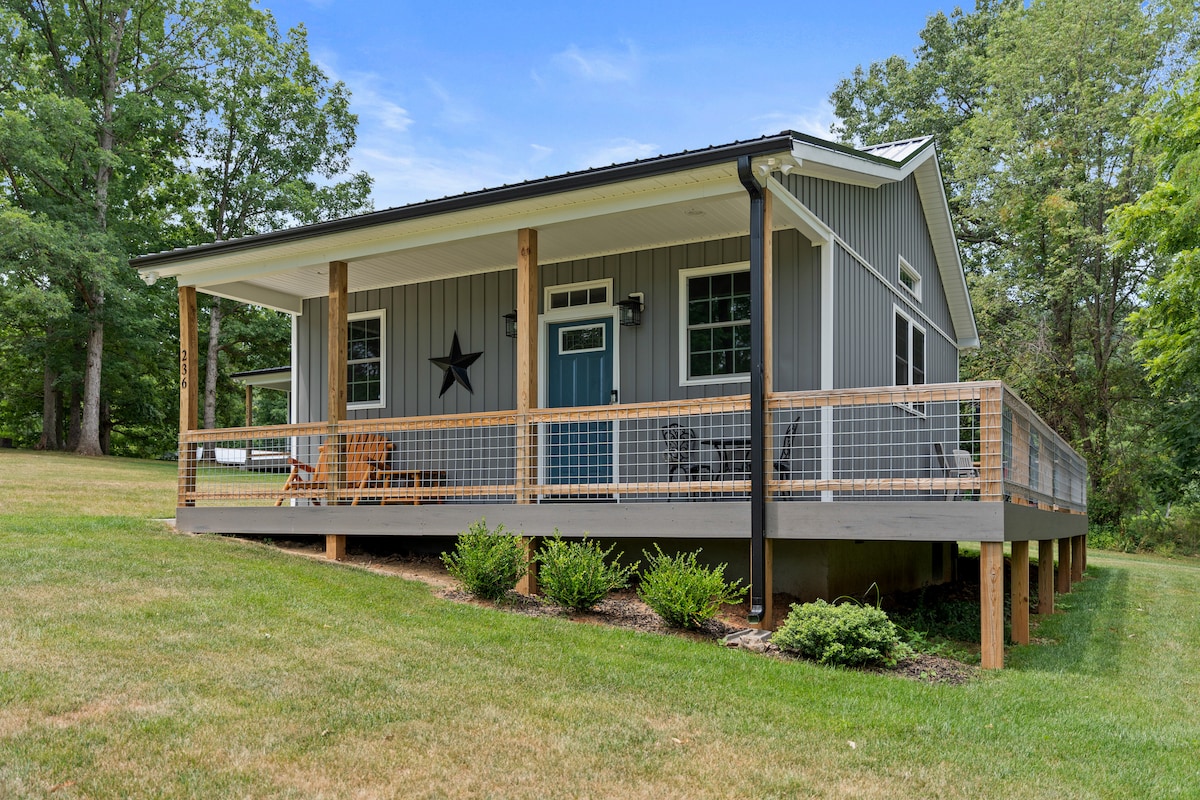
<point x="751" y="347"/>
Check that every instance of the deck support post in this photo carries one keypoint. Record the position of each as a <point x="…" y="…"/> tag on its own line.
<point x="335" y="544"/>
<point x="1046" y="576"/>
<point x="249" y="408"/>
<point x="527" y="358"/>
<point x="189" y="395"/>
<point x="1077" y="550"/>
<point x="991" y="604"/>
<point x="1020" y="592"/>
<point x="1064" y="566"/>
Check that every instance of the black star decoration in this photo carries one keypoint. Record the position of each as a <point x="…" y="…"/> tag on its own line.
<point x="455" y="367"/>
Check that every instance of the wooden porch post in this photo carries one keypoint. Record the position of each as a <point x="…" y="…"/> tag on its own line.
<point x="991" y="454"/>
<point x="991" y="604"/>
<point x="1046" y="576"/>
<point x="249" y="406"/>
<point x="1064" y="566"/>
<point x="1020" y="592"/>
<point x="335" y="543"/>
<point x="527" y="355"/>
<point x="1077" y="550"/>
<point x="189" y="396"/>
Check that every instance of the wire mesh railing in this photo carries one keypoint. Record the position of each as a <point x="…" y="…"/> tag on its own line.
<point x="966" y="441"/>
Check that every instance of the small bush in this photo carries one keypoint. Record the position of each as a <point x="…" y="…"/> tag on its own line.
<point x="575" y="575"/>
<point x="848" y="635"/>
<point x="489" y="563"/>
<point x="684" y="593"/>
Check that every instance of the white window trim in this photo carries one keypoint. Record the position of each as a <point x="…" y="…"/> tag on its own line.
<point x="916" y="409"/>
<point x="683" y="353"/>
<point x="907" y="269"/>
<point x="381" y="314"/>
<point x="607" y="283"/>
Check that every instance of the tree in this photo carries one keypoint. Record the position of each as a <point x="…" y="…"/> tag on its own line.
<point x="95" y="96"/>
<point x="1035" y="124"/>
<point x="270" y="149"/>
<point x="1163" y="227"/>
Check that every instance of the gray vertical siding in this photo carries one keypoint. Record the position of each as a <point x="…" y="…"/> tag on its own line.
<point x="880" y="225"/>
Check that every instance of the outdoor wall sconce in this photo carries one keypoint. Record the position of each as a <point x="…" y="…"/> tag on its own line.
<point x="630" y="309"/>
<point x="510" y="324"/>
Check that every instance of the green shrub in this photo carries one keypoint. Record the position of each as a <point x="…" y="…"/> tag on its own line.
<point x="489" y="563"/>
<point x="848" y="635"/>
<point x="684" y="593"/>
<point x="575" y="575"/>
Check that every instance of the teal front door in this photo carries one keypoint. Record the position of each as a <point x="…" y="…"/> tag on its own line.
<point x="580" y="373"/>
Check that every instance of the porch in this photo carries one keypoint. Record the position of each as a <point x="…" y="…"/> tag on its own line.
<point x="855" y="465"/>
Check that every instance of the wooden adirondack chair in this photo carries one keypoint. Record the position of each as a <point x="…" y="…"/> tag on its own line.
<point x="366" y="454"/>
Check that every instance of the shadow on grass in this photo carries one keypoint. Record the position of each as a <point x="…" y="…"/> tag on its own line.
<point x="1085" y="634"/>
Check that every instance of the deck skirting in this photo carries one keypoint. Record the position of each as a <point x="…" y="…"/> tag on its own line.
<point x="911" y="521"/>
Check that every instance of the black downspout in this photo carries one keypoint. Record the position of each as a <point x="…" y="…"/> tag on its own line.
<point x="758" y="488"/>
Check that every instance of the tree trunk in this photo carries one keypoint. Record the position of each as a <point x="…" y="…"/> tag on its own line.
<point x="210" y="364"/>
<point x="89" y="426"/>
<point x="49" y="438"/>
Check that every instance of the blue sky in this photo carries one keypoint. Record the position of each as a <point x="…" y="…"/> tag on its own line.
<point x="466" y="95"/>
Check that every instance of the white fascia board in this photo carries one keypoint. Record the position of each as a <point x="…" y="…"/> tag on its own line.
<point x="820" y="162"/>
<point x="257" y="295"/>
<point x="945" y="247"/>
<point x="801" y="217"/>
<point x="367" y="242"/>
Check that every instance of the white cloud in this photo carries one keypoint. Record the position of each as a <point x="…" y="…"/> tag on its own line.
<point x="601" y="66"/>
<point x="813" y="121"/>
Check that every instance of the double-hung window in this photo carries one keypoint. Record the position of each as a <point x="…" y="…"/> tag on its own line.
<point x="365" y="360"/>
<point x="909" y="347"/>
<point x="715" y="322"/>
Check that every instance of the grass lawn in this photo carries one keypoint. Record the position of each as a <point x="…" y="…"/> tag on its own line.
<point x="137" y="662"/>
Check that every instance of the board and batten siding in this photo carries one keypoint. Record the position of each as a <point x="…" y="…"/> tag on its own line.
<point x="421" y="320"/>
<point x="879" y="225"/>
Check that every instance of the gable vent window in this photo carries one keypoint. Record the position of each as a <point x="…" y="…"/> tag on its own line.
<point x="910" y="279"/>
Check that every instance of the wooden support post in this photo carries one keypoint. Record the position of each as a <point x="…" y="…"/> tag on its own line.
<point x="991" y="605"/>
<point x="1046" y="576"/>
<point x="249" y="408"/>
<point x="189" y="396"/>
<point x="1020" y="592"/>
<point x="991" y="455"/>
<point x="1077" y="549"/>
<point x="1083" y="554"/>
<point x="527" y="357"/>
<point x="335" y="544"/>
<point x="1064" y="566"/>
<point x="768" y="618"/>
<point x="529" y="584"/>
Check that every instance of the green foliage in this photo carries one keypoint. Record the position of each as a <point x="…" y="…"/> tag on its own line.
<point x="488" y="562"/>
<point x="845" y="635"/>
<point x="1169" y="530"/>
<point x="1033" y="106"/>
<point x="682" y="591"/>
<point x="576" y="575"/>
